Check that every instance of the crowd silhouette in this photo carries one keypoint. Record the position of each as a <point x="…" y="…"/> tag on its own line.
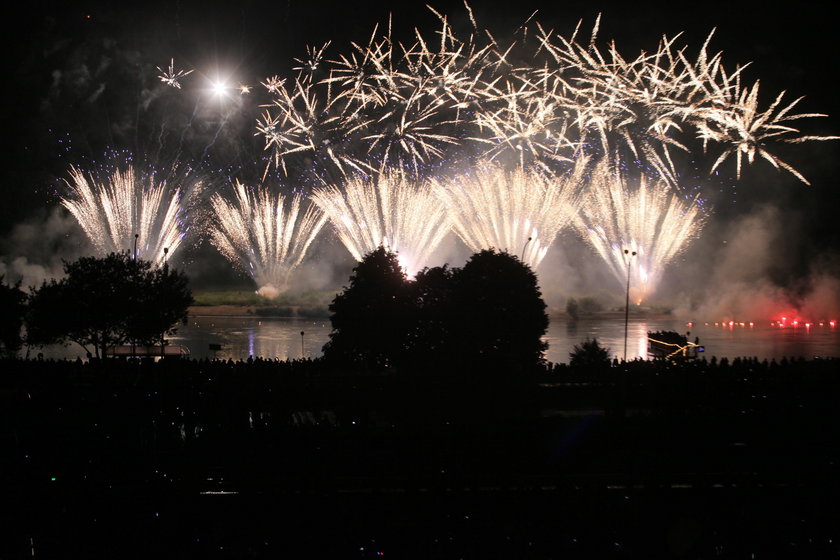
<point x="588" y="457"/>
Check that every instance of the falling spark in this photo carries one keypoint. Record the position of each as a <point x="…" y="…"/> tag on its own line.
<point x="395" y="212"/>
<point x="126" y="211"/>
<point x="266" y="235"/>
<point x="519" y="211"/>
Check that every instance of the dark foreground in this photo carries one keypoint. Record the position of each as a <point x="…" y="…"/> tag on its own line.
<point x="291" y="460"/>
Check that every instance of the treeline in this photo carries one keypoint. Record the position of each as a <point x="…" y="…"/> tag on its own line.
<point x="487" y="315"/>
<point x="101" y="302"/>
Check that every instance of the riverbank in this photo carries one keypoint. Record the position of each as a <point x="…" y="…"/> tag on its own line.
<point x="310" y="311"/>
<point x="276" y="311"/>
<point x="222" y="310"/>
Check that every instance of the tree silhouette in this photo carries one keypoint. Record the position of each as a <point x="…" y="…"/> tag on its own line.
<point x="499" y="312"/>
<point x="108" y="301"/>
<point x="12" y="310"/>
<point x="431" y="337"/>
<point x="372" y="318"/>
<point x="590" y="354"/>
<point x="488" y="315"/>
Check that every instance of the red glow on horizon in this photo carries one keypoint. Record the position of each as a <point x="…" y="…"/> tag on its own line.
<point x="785" y="321"/>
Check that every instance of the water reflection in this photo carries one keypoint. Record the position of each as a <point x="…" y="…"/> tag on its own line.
<point x="241" y="337"/>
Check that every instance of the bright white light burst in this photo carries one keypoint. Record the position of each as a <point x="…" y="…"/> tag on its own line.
<point x="519" y="211"/>
<point x="648" y="219"/>
<point x="170" y="77"/>
<point x="264" y="234"/>
<point x="383" y="103"/>
<point x="113" y="212"/>
<point x="396" y="212"/>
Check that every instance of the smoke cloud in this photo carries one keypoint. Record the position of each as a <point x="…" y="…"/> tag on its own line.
<point x="35" y="250"/>
<point x="740" y="281"/>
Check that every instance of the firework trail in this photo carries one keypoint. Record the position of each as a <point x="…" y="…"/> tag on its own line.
<point x="387" y="104"/>
<point x="396" y="212"/>
<point x="266" y="235"/>
<point x="519" y="211"/>
<point x="649" y="220"/>
<point x="127" y="211"/>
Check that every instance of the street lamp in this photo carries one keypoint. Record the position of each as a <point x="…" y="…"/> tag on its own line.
<point x="302" y="349"/>
<point x="629" y="255"/>
<point x="136" y="235"/>
<point x="165" y="253"/>
<point x="522" y="258"/>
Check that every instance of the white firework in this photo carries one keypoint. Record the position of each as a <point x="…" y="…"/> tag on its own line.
<point x="170" y="76"/>
<point x="432" y="100"/>
<point x="647" y="219"/>
<point x="395" y="212"/>
<point x="125" y="212"/>
<point x="519" y="211"/>
<point x="266" y="235"/>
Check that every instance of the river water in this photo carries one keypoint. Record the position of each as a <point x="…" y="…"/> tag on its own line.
<point x="240" y="337"/>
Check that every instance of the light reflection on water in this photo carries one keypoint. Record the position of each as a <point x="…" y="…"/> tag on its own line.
<point x="241" y="337"/>
<point x="270" y="338"/>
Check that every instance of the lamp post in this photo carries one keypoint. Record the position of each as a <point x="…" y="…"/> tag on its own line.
<point x="522" y="258"/>
<point x="136" y="235"/>
<point x="302" y="349"/>
<point x="628" y="255"/>
<point x="165" y="253"/>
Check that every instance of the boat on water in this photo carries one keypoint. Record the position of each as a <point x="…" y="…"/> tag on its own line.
<point x="671" y="345"/>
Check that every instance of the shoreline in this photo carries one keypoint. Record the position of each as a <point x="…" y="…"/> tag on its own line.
<point x="222" y="311"/>
<point x="266" y="311"/>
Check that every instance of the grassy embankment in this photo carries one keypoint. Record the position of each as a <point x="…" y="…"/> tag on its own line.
<point x="246" y="302"/>
<point x="315" y="305"/>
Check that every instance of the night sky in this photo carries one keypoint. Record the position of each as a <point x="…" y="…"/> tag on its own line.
<point x="81" y="80"/>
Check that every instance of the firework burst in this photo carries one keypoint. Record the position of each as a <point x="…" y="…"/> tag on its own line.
<point x="266" y="235"/>
<point x="648" y="220"/>
<point x="170" y="76"/>
<point x="519" y="211"/>
<point x="395" y="211"/>
<point x="126" y="211"/>
<point x="458" y="97"/>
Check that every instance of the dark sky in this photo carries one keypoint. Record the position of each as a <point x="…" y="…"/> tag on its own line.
<point x="78" y="72"/>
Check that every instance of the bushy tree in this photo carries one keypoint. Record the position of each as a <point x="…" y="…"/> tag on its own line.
<point x="431" y="336"/>
<point x="589" y="354"/>
<point x="108" y="301"/>
<point x="12" y="310"/>
<point x="487" y="315"/>
<point x="372" y="317"/>
<point x="499" y="314"/>
<point x="160" y="305"/>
